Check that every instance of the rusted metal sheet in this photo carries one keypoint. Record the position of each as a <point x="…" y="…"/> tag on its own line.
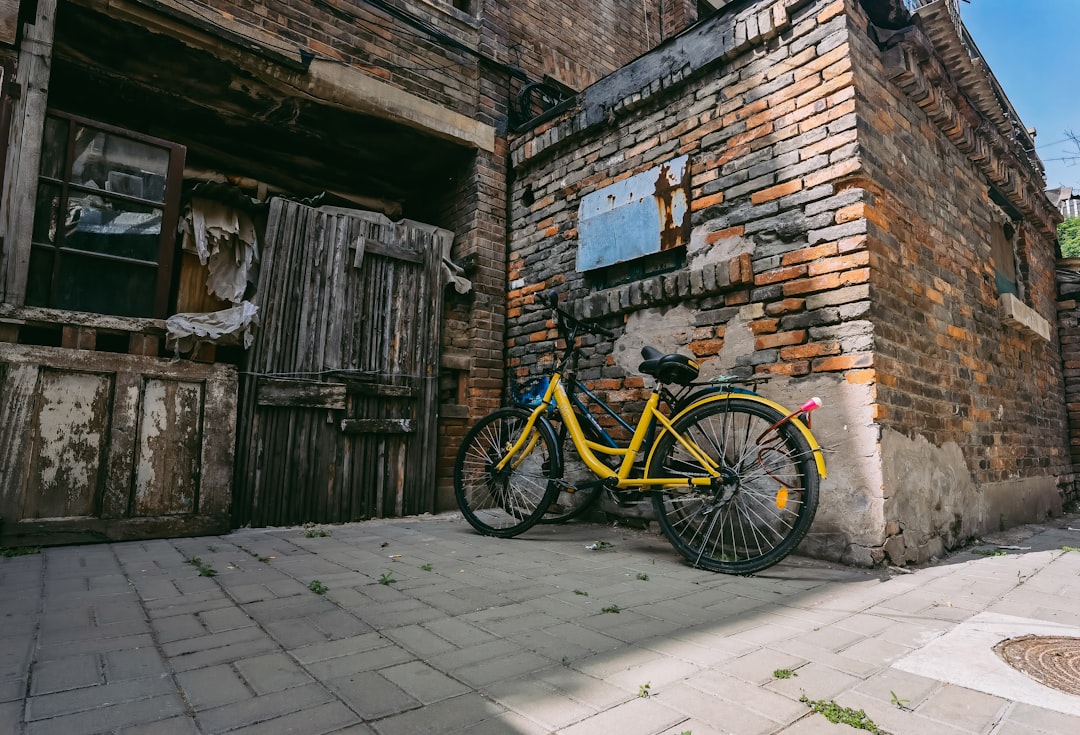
<point x="100" y="446"/>
<point x="644" y="214"/>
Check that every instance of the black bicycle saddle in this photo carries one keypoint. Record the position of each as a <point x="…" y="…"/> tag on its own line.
<point x="670" y="368"/>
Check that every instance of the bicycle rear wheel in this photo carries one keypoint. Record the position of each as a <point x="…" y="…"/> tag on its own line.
<point x="764" y="502"/>
<point x="509" y="501"/>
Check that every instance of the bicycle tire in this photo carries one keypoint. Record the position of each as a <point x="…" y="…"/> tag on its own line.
<point x="513" y="500"/>
<point x="766" y="502"/>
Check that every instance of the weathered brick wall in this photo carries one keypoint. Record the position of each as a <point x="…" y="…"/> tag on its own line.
<point x="1069" y="336"/>
<point x="971" y="408"/>
<point x="472" y="364"/>
<point x="839" y="243"/>
<point x="368" y="37"/>
<point x="574" y="43"/>
<point x="776" y="277"/>
<point x="578" y="43"/>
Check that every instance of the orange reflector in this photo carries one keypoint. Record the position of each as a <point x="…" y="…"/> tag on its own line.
<point x="781" y="498"/>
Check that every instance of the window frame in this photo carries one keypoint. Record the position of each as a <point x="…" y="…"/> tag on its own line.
<point x="7" y="74"/>
<point x="169" y="206"/>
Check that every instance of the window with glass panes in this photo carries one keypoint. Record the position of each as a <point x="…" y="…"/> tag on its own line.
<point x="105" y="219"/>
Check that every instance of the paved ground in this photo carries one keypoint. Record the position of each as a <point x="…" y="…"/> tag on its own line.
<point x="424" y="627"/>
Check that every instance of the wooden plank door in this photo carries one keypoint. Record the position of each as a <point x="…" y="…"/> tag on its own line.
<point x="338" y="403"/>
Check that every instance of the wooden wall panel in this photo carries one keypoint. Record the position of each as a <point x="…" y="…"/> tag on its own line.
<point x="168" y="453"/>
<point x="71" y="424"/>
<point x="104" y="446"/>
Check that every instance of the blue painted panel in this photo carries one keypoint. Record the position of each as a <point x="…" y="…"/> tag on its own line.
<point x="622" y="221"/>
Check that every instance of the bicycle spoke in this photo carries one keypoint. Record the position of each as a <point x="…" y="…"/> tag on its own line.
<point x="508" y="500"/>
<point x="762" y="503"/>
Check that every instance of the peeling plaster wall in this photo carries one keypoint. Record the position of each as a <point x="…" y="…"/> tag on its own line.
<point x="934" y="506"/>
<point x="850" y="524"/>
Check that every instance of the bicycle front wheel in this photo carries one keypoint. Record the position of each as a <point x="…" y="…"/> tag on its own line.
<point x="505" y="502"/>
<point x="763" y="503"/>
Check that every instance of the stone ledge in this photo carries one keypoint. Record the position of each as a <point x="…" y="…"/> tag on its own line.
<point x="1022" y="317"/>
<point x="670" y="288"/>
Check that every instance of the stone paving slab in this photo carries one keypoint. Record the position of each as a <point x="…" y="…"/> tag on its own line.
<point x="420" y="625"/>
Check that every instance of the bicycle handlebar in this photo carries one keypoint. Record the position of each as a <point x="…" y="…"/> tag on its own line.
<point x="551" y="300"/>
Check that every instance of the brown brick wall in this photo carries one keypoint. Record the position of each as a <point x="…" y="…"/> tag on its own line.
<point x="840" y="242"/>
<point x="1069" y="334"/>
<point x="574" y="43"/>
<point x="767" y="139"/>
<point x="948" y="368"/>
<point x="578" y="43"/>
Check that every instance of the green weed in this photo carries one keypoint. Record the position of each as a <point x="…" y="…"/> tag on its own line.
<point x="643" y="691"/>
<point x="835" y="714"/>
<point x="387" y="578"/>
<point x="318" y="587"/>
<point x="643" y="577"/>
<point x="205" y="570"/>
<point x="20" y="551"/>
<point x="783" y="674"/>
<point x="611" y="609"/>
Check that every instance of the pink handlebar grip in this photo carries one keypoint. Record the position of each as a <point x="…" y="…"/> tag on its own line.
<point x="811" y="405"/>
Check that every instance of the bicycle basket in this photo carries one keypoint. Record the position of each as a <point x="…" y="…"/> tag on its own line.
<point x="532" y="392"/>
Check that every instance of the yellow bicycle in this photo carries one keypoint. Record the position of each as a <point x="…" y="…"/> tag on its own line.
<point x="733" y="476"/>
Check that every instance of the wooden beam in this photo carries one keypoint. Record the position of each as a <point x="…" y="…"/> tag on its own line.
<point x="380" y="389"/>
<point x="40" y="316"/>
<point x="377" y="426"/>
<point x="324" y="81"/>
<point x="300" y="394"/>
<point x="24" y="151"/>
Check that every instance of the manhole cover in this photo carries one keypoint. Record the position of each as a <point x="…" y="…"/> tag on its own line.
<point x="1050" y="660"/>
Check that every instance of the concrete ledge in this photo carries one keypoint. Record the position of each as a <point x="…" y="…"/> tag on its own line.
<point x="1019" y="315"/>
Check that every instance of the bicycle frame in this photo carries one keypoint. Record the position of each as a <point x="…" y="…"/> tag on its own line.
<point x="583" y="412"/>
<point x="623" y="476"/>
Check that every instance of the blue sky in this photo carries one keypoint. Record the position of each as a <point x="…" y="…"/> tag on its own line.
<point x="1032" y="48"/>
